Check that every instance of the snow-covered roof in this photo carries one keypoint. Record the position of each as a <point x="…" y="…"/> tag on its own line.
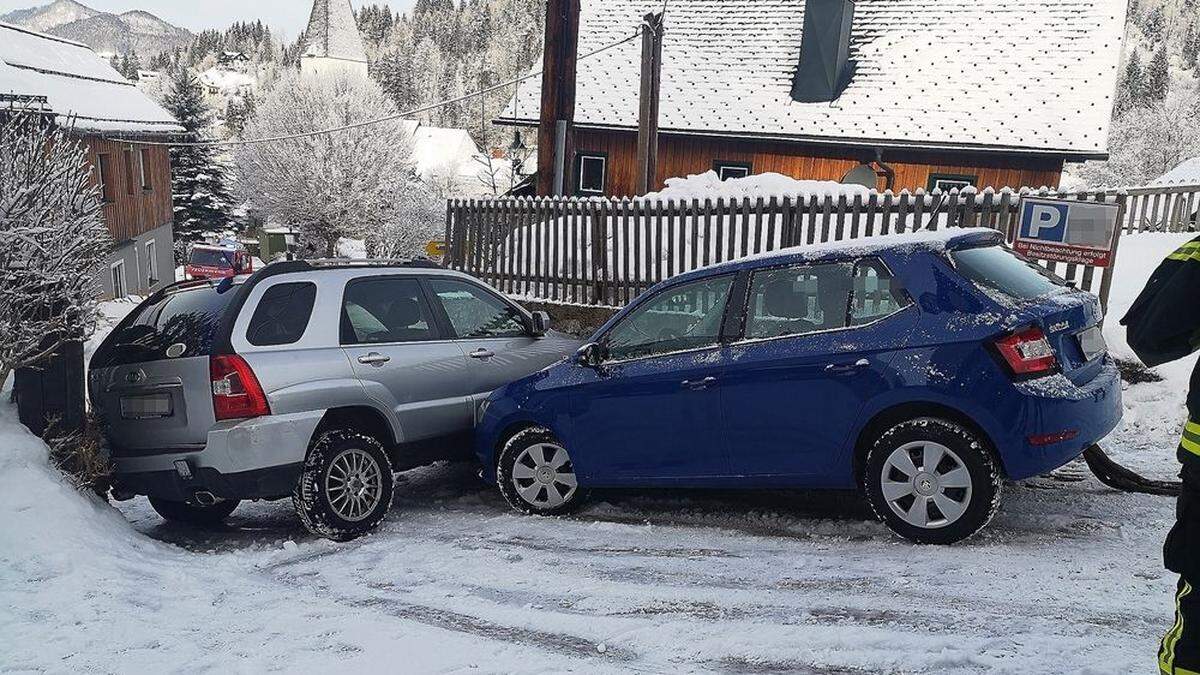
<point x="79" y="85"/>
<point x="1186" y="173"/>
<point x="333" y="32"/>
<point x="228" y="82"/>
<point x="438" y="151"/>
<point x="1013" y="75"/>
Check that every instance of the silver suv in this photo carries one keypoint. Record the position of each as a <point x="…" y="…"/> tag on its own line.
<point x="311" y="379"/>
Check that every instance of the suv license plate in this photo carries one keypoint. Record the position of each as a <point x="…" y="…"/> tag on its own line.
<point x="146" y="407"/>
<point x="1091" y="341"/>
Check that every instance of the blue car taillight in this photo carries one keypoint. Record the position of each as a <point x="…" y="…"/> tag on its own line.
<point x="1028" y="353"/>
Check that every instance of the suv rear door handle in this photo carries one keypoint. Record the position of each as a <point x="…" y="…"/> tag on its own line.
<point x="699" y="385"/>
<point x="482" y="354"/>
<point x="374" y="359"/>
<point x="845" y="368"/>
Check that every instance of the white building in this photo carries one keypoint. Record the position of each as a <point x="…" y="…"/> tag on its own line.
<point x="332" y="43"/>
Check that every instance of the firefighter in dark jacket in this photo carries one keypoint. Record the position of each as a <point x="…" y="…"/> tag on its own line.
<point x="1164" y="325"/>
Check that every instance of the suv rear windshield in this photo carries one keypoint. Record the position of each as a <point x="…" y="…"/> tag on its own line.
<point x="189" y="318"/>
<point x="211" y="258"/>
<point x="999" y="269"/>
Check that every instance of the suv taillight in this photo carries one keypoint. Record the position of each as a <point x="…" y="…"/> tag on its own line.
<point x="1028" y="352"/>
<point x="236" y="393"/>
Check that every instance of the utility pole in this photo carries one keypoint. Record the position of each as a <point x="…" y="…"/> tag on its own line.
<point x="647" y="142"/>
<point x="556" y="144"/>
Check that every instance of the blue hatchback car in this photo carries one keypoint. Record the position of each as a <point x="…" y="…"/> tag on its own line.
<point x="922" y="369"/>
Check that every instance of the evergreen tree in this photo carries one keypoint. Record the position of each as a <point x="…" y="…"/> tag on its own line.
<point x="1154" y="25"/>
<point x="1190" y="51"/>
<point x="1158" y="77"/>
<point x="1131" y="93"/>
<point x="239" y="111"/>
<point x="202" y="200"/>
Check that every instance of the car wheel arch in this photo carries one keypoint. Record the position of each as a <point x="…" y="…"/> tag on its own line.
<point x="510" y="430"/>
<point x="897" y="414"/>
<point x="363" y="419"/>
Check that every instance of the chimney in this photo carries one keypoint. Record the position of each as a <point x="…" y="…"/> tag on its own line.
<point x="824" y="51"/>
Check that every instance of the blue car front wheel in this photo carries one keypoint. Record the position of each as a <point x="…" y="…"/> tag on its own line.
<point x="536" y="475"/>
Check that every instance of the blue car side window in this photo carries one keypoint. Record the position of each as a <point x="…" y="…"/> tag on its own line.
<point x="798" y="300"/>
<point x="877" y="294"/>
<point x="684" y="318"/>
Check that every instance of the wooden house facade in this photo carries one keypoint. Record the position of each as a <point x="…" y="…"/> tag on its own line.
<point x="118" y="126"/>
<point x="899" y="94"/>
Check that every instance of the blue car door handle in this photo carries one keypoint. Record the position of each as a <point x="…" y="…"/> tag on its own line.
<point x="699" y="385"/>
<point x="847" y="368"/>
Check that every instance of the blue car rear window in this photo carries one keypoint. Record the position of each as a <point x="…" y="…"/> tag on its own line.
<point x="999" y="269"/>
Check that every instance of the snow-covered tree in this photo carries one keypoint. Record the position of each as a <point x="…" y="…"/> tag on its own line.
<point x="1158" y="77"/>
<point x="350" y="183"/>
<point x="54" y="239"/>
<point x="199" y="181"/>
<point x="418" y="217"/>
<point x="1153" y="25"/>
<point x="1148" y="141"/>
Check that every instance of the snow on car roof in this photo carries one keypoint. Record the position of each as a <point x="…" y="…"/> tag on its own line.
<point x="922" y="240"/>
<point x="79" y="86"/>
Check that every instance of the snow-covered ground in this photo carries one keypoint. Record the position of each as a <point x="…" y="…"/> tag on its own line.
<point x="1066" y="580"/>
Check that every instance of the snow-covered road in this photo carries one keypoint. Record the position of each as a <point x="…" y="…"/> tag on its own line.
<point x="1067" y="579"/>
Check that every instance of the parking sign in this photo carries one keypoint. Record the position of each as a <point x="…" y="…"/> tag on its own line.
<point x="1064" y="230"/>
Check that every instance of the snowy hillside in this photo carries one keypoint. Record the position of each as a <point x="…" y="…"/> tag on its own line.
<point x="1068" y="579"/>
<point x="134" y="31"/>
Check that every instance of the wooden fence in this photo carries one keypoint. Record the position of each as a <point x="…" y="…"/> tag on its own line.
<point x="606" y="252"/>
<point x="1162" y="209"/>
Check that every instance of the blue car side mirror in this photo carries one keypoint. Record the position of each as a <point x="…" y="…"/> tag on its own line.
<point x="591" y="355"/>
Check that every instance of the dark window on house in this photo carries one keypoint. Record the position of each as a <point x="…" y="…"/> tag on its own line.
<point x="105" y="177"/>
<point x="129" y="173"/>
<point x="146" y="182"/>
<point x="947" y="182"/>
<point x="282" y="315"/>
<point x="592" y="171"/>
<point x="727" y="170"/>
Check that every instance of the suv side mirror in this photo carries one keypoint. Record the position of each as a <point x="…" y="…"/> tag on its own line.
<point x="541" y="323"/>
<point x="591" y="355"/>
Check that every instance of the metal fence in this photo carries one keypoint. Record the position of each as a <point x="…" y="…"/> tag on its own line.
<point x="606" y="252"/>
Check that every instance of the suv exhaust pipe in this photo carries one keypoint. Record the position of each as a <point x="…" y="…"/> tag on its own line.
<point x="205" y="498"/>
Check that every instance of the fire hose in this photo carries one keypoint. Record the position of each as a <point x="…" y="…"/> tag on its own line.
<point x="1118" y="477"/>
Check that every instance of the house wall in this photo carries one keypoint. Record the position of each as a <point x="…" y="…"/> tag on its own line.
<point x="685" y="155"/>
<point x="135" y="216"/>
<point x="135" y="257"/>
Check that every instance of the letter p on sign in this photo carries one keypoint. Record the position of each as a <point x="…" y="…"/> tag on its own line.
<point x="1045" y="222"/>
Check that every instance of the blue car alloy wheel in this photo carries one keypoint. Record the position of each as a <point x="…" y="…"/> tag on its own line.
<point x="536" y="475"/>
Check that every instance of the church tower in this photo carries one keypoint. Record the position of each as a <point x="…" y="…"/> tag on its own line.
<point x="332" y="43"/>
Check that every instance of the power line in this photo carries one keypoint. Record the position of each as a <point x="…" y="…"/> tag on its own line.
<point x="381" y="120"/>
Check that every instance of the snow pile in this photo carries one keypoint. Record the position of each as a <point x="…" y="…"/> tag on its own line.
<point x="1154" y="411"/>
<point x="766" y="185"/>
<point x="1186" y="173"/>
